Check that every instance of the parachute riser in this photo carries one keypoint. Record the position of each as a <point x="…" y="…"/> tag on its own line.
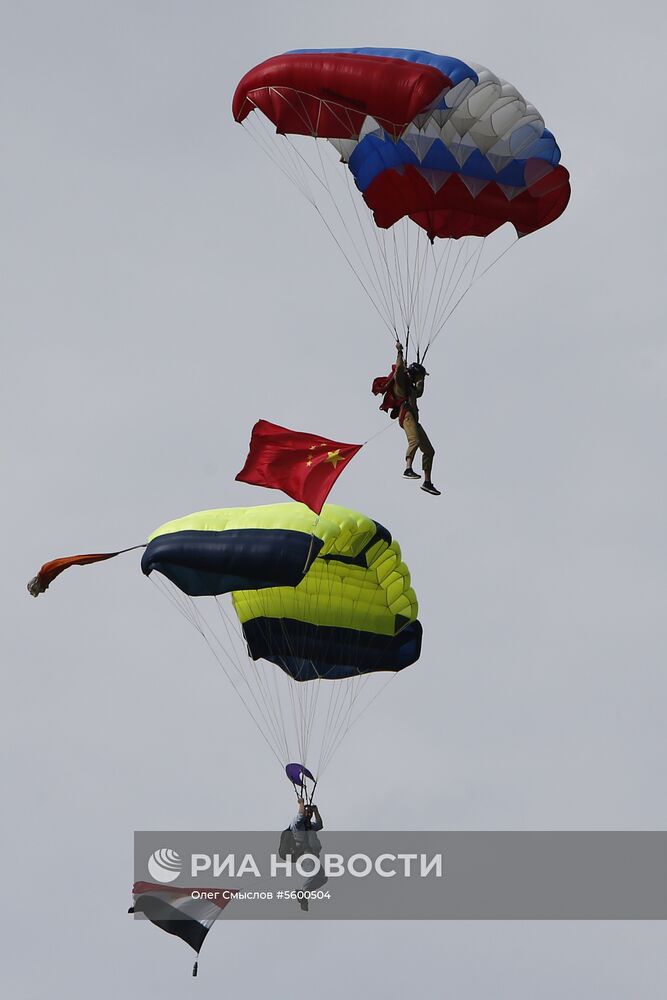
<point x="420" y="356"/>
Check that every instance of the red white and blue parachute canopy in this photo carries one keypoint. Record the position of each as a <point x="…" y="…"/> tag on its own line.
<point x="448" y="144"/>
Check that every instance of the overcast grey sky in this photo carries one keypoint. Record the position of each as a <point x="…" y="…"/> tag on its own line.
<point x="149" y="252"/>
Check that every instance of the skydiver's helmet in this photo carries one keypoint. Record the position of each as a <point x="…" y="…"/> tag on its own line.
<point x="416" y="371"/>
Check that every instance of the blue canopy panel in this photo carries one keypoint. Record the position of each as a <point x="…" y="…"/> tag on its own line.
<point x="373" y="155"/>
<point x="207" y="563"/>
<point x="311" y="652"/>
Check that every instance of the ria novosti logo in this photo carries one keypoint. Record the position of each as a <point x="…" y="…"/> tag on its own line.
<point x="165" y="865"/>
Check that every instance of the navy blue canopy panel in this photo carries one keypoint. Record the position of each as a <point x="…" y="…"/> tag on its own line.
<point x="310" y="652"/>
<point x="207" y="563"/>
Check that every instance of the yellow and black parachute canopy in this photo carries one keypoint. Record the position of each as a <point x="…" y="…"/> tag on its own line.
<point x="326" y="597"/>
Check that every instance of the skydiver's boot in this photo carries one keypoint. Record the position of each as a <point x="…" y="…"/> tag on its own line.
<point x="410" y="473"/>
<point x="428" y="487"/>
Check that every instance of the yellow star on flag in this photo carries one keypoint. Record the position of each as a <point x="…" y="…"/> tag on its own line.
<point x="335" y="457"/>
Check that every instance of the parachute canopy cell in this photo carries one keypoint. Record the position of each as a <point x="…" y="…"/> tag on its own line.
<point x="326" y="598"/>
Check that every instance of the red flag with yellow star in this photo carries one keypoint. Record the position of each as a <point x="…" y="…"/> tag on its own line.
<point x="304" y="466"/>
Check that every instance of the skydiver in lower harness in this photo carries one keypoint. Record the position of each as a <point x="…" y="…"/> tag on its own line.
<point x="407" y="388"/>
<point x="305" y="827"/>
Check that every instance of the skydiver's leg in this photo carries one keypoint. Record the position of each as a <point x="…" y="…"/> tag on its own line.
<point x="410" y="427"/>
<point x="428" y="451"/>
<point x="315" y="881"/>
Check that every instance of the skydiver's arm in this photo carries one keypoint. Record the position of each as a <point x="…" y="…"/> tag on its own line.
<point x="297" y="822"/>
<point x="418" y="387"/>
<point x="400" y="377"/>
<point x="318" y="823"/>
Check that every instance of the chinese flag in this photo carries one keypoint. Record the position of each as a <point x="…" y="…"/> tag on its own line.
<point x="304" y="466"/>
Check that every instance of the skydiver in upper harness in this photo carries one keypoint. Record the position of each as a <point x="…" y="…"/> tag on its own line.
<point x="401" y="390"/>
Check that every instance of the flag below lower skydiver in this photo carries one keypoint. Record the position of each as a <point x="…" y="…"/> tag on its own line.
<point x="304" y="466"/>
<point x="177" y="911"/>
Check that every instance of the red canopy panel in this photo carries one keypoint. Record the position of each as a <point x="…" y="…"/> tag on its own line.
<point x="453" y="212"/>
<point x="329" y="95"/>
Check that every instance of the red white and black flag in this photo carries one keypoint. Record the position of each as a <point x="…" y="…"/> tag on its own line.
<point x="177" y="911"/>
<point x="304" y="466"/>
